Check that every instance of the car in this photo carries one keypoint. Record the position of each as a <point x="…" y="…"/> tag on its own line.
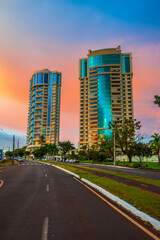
<point x="75" y="161"/>
<point x="20" y="159"/>
<point x="67" y="160"/>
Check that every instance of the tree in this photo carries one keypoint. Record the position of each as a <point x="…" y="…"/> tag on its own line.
<point x="39" y="152"/>
<point x="65" y="147"/>
<point x="52" y="149"/>
<point x="157" y="100"/>
<point x="106" y="144"/>
<point x="141" y="150"/>
<point x="155" y="144"/>
<point x="125" y="134"/>
<point x="26" y="153"/>
<point x="19" y="152"/>
<point x="8" y="154"/>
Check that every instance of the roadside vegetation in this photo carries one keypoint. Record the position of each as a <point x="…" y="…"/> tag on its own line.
<point x="7" y="162"/>
<point x="129" y="145"/>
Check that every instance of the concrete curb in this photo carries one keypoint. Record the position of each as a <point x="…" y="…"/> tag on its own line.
<point x="155" y="223"/>
<point x="71" y="173"/>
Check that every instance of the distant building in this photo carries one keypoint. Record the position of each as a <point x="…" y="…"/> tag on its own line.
<point x="105" y="92"/>
<point x="44" y="108"/>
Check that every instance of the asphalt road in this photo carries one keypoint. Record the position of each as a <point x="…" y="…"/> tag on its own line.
<point x="40" y="202"/>
<point x="152" y="174"/>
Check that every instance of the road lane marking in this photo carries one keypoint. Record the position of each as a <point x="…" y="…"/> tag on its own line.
<point x="45" y="229"/>
<point x="1" y="183"/>
<point x="47" y="188"/>
<point x="46" y="175"/>
<point x="122" y="213"/>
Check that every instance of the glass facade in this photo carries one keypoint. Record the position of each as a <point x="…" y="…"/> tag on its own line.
<point x="33" y="116"/>
<point x="104" y="60"/>
<point x="105" y="93"/>
<point x="104" y="104"/>
<point x="103" y="69"/>
<point x="34" y="79"/>
<point x="59" y="79"/>
<point x="30" y="109"/>
<point x="46" y="78"/>
<point x="126" y="64"/>
<point x="39" y="78"/>
<point x="44" y="107"/>
<point x="84" y="68"/>
<point x="55" y="78"/>
<point x="49" y="99"/>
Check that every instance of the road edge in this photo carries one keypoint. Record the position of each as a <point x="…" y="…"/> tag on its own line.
<point x="143" y="216"/>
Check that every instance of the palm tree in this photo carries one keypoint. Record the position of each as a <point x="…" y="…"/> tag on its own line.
<point x="157" y="100"/>
<point x="65" y="147"/>
<point x="155" y="144"/>
<point x="42" y="139"/>
<point x="52" y="148"/>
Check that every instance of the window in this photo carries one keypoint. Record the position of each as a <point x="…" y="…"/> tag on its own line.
<point x="104" y="60"/>
<point x="54" y="77"/>
<point x="84" y="68"/>
<point x="46" y="78"/>
<point x="126" y="63"/>
<point x="39" y="78"/>
<point x="93" y="87"/>
<point x="93" y="72"/>
<point x="103" y="69"/>
<point x="93" y="91"/>
<point x="34" y="79"/>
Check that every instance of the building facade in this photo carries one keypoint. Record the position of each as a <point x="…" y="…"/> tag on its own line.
<point x="105" y="92"/>
<point x="44" y="108"/>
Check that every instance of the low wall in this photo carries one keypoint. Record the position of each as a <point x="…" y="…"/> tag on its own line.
<point x="136" y="159"/>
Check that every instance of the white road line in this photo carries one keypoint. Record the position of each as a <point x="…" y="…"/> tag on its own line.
<point x="45" y="229"/>
<point x="1" y="183"/>
<point x="47" y="188"/>
<point x="46" y="175"/>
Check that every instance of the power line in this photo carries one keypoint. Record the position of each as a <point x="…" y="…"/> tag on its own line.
<point x="5" y="135"/>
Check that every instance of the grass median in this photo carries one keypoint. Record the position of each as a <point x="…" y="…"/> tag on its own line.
<point x="142" y="200"/>
<point x="120" y="174"/>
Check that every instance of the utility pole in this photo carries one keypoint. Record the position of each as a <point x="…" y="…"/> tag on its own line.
<point x="114" y="144"/>
<point x="13" y="149"/>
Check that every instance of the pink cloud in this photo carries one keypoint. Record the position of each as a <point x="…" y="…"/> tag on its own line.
<point x="17" y="68"/>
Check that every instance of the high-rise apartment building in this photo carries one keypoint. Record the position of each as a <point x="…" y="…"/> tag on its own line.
<point x="44" y="108"/>
<point x="105" y="92"/>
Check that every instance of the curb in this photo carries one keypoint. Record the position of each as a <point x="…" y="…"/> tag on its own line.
<point x="143" y="216"/>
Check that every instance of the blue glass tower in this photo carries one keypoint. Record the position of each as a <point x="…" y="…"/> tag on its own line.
<point x="44" y="108"/>
<point x="105" y="92"/>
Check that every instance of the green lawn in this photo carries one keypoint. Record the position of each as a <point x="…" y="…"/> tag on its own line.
<point x="142" y="200"/>
<point x="7" y="162"/>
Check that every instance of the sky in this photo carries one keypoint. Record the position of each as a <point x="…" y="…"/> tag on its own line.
<point x="54" y="34"/>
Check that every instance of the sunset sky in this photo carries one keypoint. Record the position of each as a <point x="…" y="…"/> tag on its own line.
<point x="54" y="34"/>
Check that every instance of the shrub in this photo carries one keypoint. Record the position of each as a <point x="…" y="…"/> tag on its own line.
<point x="136" y="165"/>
